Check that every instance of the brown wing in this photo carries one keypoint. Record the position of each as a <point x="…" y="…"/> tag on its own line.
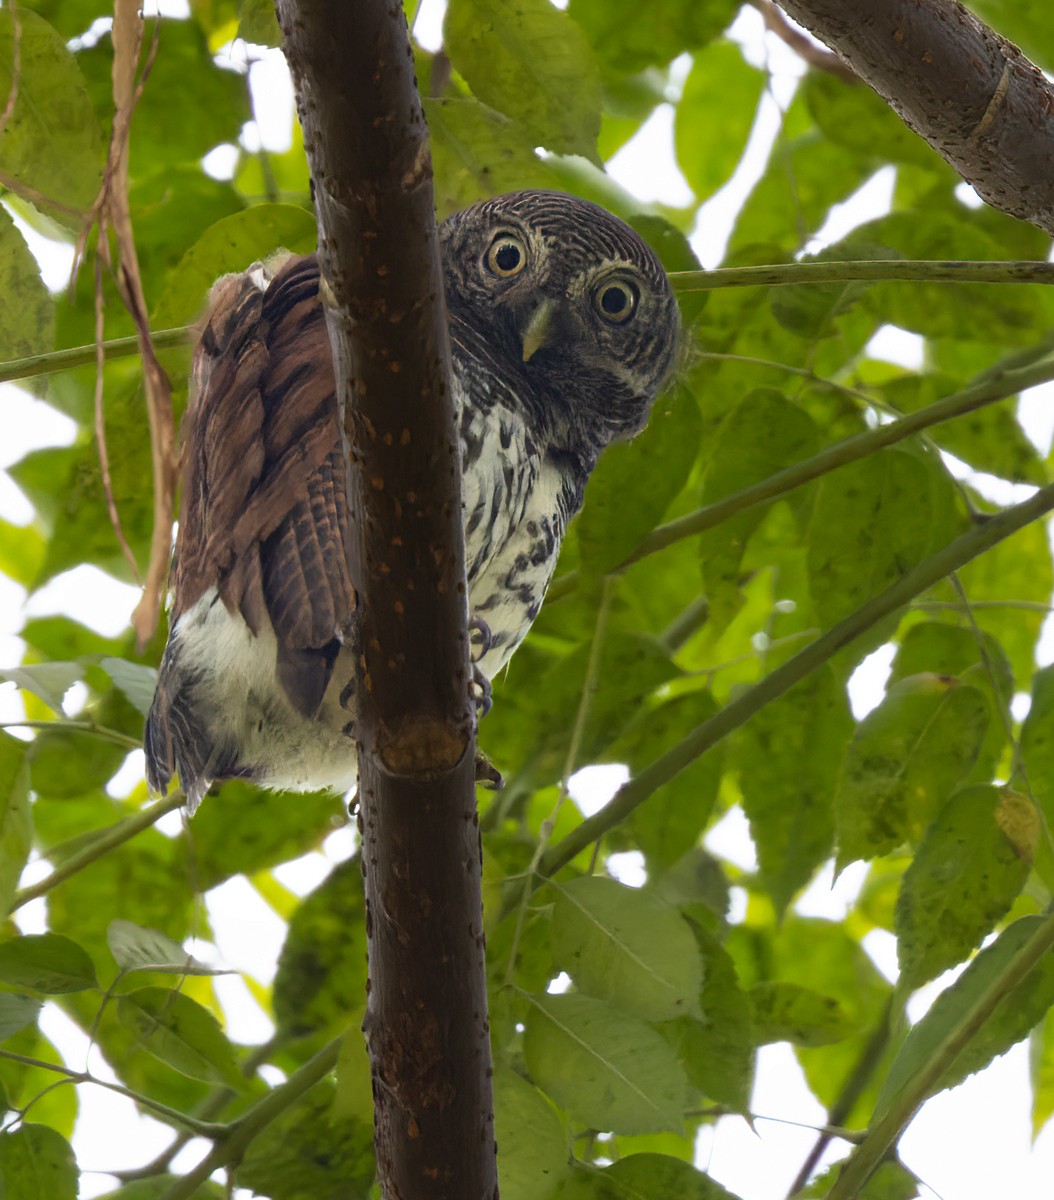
<point x="263" y="516"/>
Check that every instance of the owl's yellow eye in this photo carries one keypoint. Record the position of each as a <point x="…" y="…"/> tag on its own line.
<point x="616" y="300"/>
<point x="507" y="256"/>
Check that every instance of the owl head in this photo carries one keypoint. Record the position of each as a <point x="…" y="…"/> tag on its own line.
<point x="565" y="310"/>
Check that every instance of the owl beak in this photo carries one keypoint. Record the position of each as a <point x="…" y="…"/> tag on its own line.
<point x="539" y="329"/>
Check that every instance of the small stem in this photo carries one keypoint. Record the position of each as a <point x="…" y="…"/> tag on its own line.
<point x="240" y="1133"/>
<point x="865" y="271"/>
<point x="201" y="1128"/>
<point x="107" y="840"/>
<point x="866" y="1158"/>
<point x="83" y="356"/>
<point x="858" y="1079"/>
<point x="110" y="735"/>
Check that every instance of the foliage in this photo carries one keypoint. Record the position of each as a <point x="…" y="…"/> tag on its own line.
<point x="603" y="1080"/>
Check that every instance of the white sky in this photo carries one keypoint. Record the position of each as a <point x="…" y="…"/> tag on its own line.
<point x="972" y="1143"/>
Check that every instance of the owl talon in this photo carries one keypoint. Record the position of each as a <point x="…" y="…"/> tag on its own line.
<point x="480" y="692"/>
<point x="479" y="638"/>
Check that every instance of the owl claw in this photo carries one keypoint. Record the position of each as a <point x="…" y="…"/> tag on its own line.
<point x="479" y="691"/>
<point x="479" y="638"/>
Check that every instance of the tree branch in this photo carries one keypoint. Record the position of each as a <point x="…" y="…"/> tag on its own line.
<point x="738" y="711"/>
<point x="991" y="387"/>
<point x="867" y="270"/>
<point x="426" y="1020"/>
<point x="961" y="86"/>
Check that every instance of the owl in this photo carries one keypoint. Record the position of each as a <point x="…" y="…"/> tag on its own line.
<point x="562" y="329"/>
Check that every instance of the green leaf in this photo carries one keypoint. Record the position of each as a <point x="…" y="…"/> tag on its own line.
<point x="257" y="23"/>
<point x="642" y="1177"/>
<point x="635" y="482"/>
<point x="905" y="759"/>
<point x="1011" y="1020"/>
<point x="789" y="757"/>
<point x="874" y="520"/>
<point x="37" y="1161"/>
<point x="51" y="143"/>
<point x="137" y="949"/>
<point x="16" y="1012"/>
<point x="1017" y="569"/>
<point x="249" y="830"/>
<point x="788" y="1012"/>
<point x="16" y="823"/>
<point x="233" y="243"/>
<point x="990" y="439"/>
<point x="862" y="122"/>
<point x="311" y="1152"/>
<point x="717" y="1049"/>
<point x="608" y="1070"/>
<point x="69" y="762"/>
<point x="46" y="962"/>
<point x="763" y="433"/>
<point x="27" y="317"/>
<point x="1037" y="743"/>
<point x="1041" y="1072"/>
<point x="627" y="37"/>
<point x="180" y="1032"/>
<point x="533" y="63"/>
<point x="535" y="1144"/>
<point x="891" y="1181"/>
<point x="962" y="880"/>
<point x="669" y="823"/>
<point x="708" y="150"/>
<point x="626" y="946"/>
<point x="135" y="680"/>
<point x="321" y="973"/>
<point x="976" y="658"/>
<point x="48" y="681"/>
<point x="477" y="152"/>
<point x="189" y="103"/>
<point x="157" y="1186"/>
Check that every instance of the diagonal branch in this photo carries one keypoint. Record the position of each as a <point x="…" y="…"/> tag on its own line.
<point x="738" y="711"/>
<point x="968" y="91"/>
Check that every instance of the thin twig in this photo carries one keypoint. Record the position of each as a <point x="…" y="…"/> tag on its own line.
<point x="806" y="49"/>
<point x="16" y="64"/>
<point x="100" y="428"/>
<point x="118" y="833"/>
<point x="998" y="386"/>
<point x="240" y="1133"/>
<point x="83" y="356"/>
<point x="738" y="711"/>
<point x="865" y="271"/>
<point x="201" y="1128"/>
<point x="110" y="735"/>
<point x="866" y="1158"/>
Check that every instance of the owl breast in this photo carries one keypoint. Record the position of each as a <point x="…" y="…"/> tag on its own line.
<point x="516" y="503"/>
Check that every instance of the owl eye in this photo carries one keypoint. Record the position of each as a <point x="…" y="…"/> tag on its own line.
<point x="507" y="256"/>
<point x="616" y="300"/>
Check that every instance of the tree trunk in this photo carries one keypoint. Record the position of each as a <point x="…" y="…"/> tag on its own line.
<point x="426" y="1023"/>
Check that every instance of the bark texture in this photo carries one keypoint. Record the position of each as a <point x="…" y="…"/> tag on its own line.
<point x="968" y="91"/>
<point x="426" y="1023"/>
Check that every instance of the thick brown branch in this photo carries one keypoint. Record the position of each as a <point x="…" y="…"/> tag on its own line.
<point x="960" y="85"/>
<point x="426" y="1023"/>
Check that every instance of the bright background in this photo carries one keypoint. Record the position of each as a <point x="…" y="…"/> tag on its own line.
<point x="972" y="1143"/>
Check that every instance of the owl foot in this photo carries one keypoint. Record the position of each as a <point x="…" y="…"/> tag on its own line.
<point x="487" y="773"/>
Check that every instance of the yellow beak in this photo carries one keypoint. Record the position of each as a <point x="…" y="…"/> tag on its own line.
<point x="538" y="329"/>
